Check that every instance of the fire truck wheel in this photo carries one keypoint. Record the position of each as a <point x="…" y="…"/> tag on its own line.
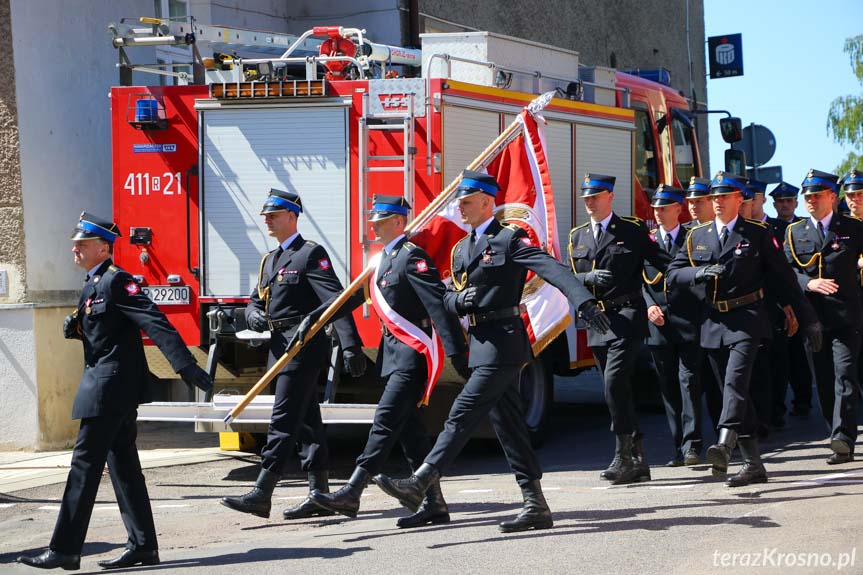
<point x="537" y="393"/>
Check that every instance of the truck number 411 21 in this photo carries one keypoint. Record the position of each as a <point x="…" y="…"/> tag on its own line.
<point x="142" y="184"/>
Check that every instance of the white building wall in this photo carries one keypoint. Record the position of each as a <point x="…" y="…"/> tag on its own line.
<point x="64" y="67"/>
<point x="19" y="409"/>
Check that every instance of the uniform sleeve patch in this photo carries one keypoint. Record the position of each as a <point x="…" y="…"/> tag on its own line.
<point x="324" y="263"/>
<point x="652" y="237"/>
<point x="132" y="288"/>
<point x="422" y="266"/>
<point x="526" y="241"/>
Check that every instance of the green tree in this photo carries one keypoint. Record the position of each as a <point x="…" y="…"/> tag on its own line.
<point x="845" y="119"/>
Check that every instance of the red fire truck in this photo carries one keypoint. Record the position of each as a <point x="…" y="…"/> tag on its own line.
<point x="338" y="118"/>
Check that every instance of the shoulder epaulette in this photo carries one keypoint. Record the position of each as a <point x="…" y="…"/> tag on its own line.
<point x="579" y="227"/>
<point x="409" y="245"/>
<point x="513" y="227"/>
<point x="311" y="243"/>
<point x="757" y="223"/>
<point x="113" y="268"/>
<point x="795" y="223"/>
<point x="852" y="217"/>
<point x="700" y="226"/>
<point x="632" y="220"/>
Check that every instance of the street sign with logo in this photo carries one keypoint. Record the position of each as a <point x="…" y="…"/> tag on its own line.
<point x="726" y="55"/>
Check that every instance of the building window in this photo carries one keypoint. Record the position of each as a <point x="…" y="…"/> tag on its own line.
<point x="174" y="10"/>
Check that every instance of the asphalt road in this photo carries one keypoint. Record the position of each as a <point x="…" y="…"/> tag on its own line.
<point x="807" y="519"/>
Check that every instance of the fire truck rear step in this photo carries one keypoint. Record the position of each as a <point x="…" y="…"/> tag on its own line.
<point x="257" y="413"/>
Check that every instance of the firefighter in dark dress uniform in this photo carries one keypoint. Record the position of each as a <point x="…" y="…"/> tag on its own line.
<point x="823" y="250"/>
<point x="607" y="254"/>
<point x="412" y="291"/>
<point x="701" y="210"/>
<point x="295" y="285"/>
<point x="489" y="271"/>
<point x="738" y="259"/>
<point x="674" y="316"/>
<point x="796" y="370"/>
<point x="852" y="188"/>
<point x="112" y="312"/>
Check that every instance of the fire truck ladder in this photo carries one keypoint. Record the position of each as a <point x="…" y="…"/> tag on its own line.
<point x="403" y="121"/>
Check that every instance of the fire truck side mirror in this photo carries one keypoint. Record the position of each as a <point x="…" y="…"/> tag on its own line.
<point x="735" y="162"/>
<point x="731" y="129"/>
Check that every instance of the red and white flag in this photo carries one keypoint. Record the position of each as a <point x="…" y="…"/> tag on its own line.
<point x="408" y="333"/>
<point x="526" y="200"/>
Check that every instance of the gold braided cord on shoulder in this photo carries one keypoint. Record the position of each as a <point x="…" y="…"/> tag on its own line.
<point x="458" y="283"/>
<point x="817" y="255"/>
<point x="263" y="292"/>
<point x="649" y="281"/>
<point x="689" y="246"/>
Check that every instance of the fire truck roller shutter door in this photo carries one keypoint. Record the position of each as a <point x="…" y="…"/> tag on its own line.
<point x="248" y="151"/>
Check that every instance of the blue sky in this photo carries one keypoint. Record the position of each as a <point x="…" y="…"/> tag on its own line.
<point x="794" y="67"/>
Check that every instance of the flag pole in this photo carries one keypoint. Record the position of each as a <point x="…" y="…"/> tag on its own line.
<point x="436" y="205"/>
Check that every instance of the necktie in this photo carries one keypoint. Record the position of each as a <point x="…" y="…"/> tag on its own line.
<point x="821" y="233"/>
<point x="86" y="279"/>
<point x="668" y="243"/>
<point x="598" y="235"/>
<point x="723" y="235"/>
<point x="471" y="243"/>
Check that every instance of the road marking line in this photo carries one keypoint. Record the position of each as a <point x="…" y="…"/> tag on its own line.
<point x="107" y="508"/>
<point x="833" y="476"/>
<point x="686" y="486"/>
<point x="172" y="506"/>
<point x="476" y="490"/>
<point x="551" y="488"/>
<point x="602" y="487"/>
<point x="49" y="508"/>
<point x="6" y="505"/>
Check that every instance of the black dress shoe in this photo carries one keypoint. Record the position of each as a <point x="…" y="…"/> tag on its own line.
<point x="52" y="560"/>
<point x="130" y="558"/>
<point x="305" y="510"/>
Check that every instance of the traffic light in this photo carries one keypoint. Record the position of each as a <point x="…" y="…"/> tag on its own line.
<point x="735" y="162"/>
<point x="731" y="129"/>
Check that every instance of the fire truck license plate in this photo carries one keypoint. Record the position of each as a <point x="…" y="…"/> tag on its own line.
<point x="167" y="295"/>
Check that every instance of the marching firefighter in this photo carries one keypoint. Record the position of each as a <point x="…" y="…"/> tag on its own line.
<point x="852" y="188"/>
<point x="674" y="315"/>
<point x="698" y="202"/>
<point x="112" y="312"/>
<point x="607" y="254"/>
<point x="489" y="269"/>
<point x="796" y="370"/>
<point x="296" y="283"/>
<point x="407" y="294"/>
<point x="823" y="250"/>
<point x="701" y="210"/>
<point x="763" y="376"/>
<point x="737" y="259"/>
